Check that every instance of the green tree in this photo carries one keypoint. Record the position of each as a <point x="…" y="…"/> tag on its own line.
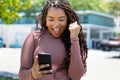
<point x="106" y="6"/>
<point x="36" y="6"/>
<point x="114" y="7"/>
<point x="9" y="9"/>
<point x="96" y="5"/>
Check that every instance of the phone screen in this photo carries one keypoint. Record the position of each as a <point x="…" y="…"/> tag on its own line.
<point x="45" y="59"/>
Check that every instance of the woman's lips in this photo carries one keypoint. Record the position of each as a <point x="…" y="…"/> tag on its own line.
<point x="56" y="30"/>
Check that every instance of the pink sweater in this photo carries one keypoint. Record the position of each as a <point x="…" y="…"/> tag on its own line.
<point x="52" y="45"/>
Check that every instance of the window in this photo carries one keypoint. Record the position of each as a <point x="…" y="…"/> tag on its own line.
<point x="83" y="18"/>
<point x="106" y="35"/>
<point x="95" y="33"/>
<point x="25" y="20"/>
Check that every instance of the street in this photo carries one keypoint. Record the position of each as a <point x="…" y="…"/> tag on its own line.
<point x="100" y="64"/>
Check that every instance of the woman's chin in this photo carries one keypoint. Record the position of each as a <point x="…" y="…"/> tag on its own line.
<point x="56" y="36"/>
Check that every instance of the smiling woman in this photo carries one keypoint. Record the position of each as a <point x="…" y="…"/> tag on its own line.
<point x="56" y="22"/>
<point x="62" y="37"/>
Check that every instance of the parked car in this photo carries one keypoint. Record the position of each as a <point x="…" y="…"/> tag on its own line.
<point x="111" y="44"/>
<point x="1" y="42"/>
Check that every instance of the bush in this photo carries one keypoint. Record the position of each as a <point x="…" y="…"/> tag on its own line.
<point x="6" y="78"/>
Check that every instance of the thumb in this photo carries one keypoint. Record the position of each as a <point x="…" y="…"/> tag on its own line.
<point x="36" y="59"/>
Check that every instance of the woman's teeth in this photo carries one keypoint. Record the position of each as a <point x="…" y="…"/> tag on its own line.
<point x="56" y="30"/>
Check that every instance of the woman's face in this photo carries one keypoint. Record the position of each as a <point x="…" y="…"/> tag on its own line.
<point x="56" y="21"/>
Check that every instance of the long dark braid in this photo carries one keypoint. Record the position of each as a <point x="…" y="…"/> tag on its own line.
<point x="72" y="17"/>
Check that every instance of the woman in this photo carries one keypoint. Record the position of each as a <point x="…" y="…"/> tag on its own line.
<point x="61" y="35"/>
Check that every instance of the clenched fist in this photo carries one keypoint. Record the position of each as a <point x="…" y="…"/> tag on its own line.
<point x="74" y="29"/>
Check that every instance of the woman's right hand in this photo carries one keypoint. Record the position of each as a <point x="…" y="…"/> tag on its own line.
<point x="74" y="29"/>
<point x="36" y="73"/>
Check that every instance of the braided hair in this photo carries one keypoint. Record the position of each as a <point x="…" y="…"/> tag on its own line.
<point x="65" y="37"/>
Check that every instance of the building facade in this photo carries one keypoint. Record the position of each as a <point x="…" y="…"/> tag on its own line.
<point x="96" y="26"/>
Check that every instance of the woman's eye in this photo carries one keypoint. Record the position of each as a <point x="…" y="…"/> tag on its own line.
<point x="51" y="20"/>
<point x="61" y="19"/>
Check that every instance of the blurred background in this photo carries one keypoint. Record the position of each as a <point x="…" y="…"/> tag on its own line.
<point x="100" y="20"/>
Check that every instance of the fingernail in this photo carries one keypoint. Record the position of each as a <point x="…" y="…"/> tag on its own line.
<point x="51" y="70"/>
<point x="48" y="64"/>
<point x="75" y="21"/>
<point x="36" y="56"/>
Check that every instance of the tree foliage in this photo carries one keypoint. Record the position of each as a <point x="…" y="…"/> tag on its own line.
<point x="114" y="7"/>
<point x="36" y="6"/>
<point x="9" y="9"/>
<point x="107" y="6"/>
<point x="96" y="5"/>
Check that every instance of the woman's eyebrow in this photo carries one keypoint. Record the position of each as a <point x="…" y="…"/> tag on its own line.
<point x="59" y="17"/>
<point x="50" y="17"/>
<point x="62" y="17"/>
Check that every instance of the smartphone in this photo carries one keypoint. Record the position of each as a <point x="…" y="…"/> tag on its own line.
<point x="45" y="59"/>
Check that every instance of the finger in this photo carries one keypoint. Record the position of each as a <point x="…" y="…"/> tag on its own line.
<point x="44" y="65"/>
<point x="45" y="72"/>
<point x="75" y="22"/>
<point x="73" y="25"/>
<point x="36" y="59"/>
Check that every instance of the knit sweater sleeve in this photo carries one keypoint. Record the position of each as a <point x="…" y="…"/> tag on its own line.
<point x="76" y="67"/>
<point x="27" y="53"/>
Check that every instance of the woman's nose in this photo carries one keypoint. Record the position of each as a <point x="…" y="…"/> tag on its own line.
<point x="57" y="24"/>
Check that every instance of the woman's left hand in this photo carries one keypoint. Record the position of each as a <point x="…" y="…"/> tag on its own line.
<point x="74" y="29"/>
